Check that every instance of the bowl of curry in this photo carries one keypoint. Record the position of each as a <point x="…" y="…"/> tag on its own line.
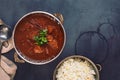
<point x="39" y="37"/>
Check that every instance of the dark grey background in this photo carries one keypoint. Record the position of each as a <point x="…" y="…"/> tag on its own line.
<point x="79" y="16"/>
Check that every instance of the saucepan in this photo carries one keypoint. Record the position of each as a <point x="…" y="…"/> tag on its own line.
<point x="78" y="68"/>
<point x="46" y="37"/>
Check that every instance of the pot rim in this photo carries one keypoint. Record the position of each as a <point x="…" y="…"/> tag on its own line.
<point x="47" y="61"/>
<point x="77" y="56"/>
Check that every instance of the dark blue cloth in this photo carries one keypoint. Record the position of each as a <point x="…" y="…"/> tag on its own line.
<point x="79" y="16"/>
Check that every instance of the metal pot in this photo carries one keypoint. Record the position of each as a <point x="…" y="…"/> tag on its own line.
<point x="96" y="67"/>
<point x="57" y="16"/>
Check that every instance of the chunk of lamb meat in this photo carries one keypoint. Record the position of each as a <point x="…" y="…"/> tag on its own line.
<point x="49" y="37"/>
<point x="38" y="49"/>
<point x="53" y="44"/>
<point x="50" y="28"/>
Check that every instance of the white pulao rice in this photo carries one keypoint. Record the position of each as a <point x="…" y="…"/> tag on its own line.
<point x="75" y="69"/>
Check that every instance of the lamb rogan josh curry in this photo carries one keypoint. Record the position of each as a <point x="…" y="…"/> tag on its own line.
<point x="39" y="37"/>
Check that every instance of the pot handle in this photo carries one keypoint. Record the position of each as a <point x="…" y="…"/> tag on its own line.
<point x="17" y="59"/>
<point x="99" y="67"/>
<point x="59" y="16"/>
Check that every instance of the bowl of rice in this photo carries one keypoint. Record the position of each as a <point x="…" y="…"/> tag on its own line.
<point x="76" y="68"/>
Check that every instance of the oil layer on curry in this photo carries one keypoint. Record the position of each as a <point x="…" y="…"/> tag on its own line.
<point x="39" y="37"/>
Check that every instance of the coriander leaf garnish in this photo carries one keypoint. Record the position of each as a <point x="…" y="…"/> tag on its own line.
<point x="41" y="38"/>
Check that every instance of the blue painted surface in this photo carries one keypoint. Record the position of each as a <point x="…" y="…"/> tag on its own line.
<point x="79" y="16"/>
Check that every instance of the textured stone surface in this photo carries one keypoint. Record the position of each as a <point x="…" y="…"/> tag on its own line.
<point x="79" y="16"/>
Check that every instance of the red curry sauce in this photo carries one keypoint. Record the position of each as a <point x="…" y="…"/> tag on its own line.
<point x="29" y="27"/>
